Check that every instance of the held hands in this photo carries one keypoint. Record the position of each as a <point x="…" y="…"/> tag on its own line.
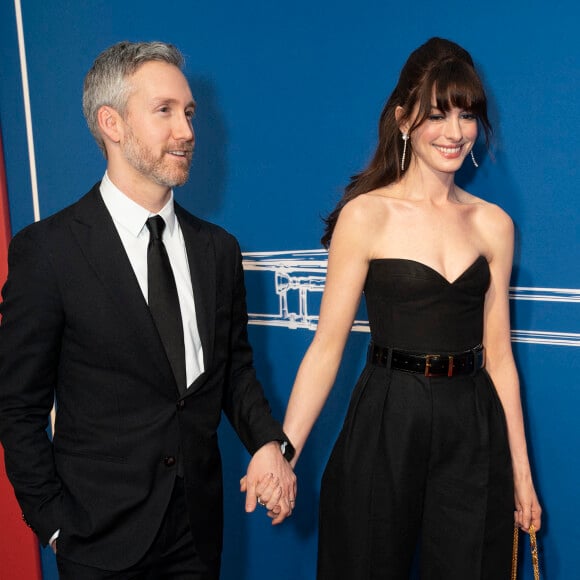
<point x="270" y="482"/>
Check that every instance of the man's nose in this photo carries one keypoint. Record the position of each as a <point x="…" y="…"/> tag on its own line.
<point x="183" y="129"/>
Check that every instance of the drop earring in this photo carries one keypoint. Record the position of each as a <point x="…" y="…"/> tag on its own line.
<point x="473" y="159"/>
<point x="405" y="137"/>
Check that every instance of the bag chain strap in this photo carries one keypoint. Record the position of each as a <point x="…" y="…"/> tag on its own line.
<point x="533" y="550"/>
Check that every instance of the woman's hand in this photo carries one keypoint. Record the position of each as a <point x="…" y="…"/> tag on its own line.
<point x="528" y="509"/>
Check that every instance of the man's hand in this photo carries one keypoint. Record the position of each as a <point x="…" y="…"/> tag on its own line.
<point x="271" y="482"/>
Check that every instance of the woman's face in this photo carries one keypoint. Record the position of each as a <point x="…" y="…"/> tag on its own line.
<point x="444" y="139"/>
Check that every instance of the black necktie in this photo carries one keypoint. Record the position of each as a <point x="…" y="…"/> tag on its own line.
<point x="164" y="301"/>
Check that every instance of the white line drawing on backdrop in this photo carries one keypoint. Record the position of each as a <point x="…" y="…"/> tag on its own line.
<point x="303" y="271"/>
<point x="545" y="294"/>
<point x="298" y="278"/>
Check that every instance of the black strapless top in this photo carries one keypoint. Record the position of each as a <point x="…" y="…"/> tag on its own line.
<point x="413" y="307"/>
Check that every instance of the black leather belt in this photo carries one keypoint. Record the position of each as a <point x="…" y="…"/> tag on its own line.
<point x="430" y="365"/>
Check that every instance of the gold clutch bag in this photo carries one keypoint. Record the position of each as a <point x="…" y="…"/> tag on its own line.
<point x="533" y="550"/>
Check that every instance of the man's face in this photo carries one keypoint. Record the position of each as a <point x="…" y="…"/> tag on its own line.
<point x="158" y="136"/>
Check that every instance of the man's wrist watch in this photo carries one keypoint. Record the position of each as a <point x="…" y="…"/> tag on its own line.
<point x="287" y="449"/>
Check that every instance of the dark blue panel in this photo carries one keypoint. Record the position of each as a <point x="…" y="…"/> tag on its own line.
<point x="289" y="96"/>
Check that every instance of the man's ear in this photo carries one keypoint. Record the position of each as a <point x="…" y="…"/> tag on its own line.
<point x="110" y="124"/>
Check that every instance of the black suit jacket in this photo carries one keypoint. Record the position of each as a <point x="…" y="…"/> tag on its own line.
<point x="75" y="325"/>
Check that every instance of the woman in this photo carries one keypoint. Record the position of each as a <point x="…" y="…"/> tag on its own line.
<point x="432" y="452"/>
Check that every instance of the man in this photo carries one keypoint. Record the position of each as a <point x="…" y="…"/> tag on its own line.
<point x="136" y="324"/>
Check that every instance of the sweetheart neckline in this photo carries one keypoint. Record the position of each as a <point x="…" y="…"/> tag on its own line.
<point x="431" y="269"/>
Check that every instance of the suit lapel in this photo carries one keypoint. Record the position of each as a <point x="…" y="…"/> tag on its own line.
<point x="98" y="237"/>
<point x="202" y="267"/>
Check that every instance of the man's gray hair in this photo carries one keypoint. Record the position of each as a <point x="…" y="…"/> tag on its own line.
<point x="107" y="82"/>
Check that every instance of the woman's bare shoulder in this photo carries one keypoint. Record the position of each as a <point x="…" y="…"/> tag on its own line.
<point x="365" y="209"/>
<point x="494" y="227"/>
<point x="489" y="214"/>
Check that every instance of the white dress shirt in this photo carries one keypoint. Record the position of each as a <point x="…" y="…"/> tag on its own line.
<point x="129" y="219"/>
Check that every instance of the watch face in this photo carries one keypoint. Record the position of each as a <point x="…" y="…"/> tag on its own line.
<point x="287" y="450"/>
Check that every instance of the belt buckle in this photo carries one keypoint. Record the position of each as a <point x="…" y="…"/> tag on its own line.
<point x="429" y="373"/>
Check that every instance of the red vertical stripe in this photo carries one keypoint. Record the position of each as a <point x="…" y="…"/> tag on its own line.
<point x="19" y="554"/>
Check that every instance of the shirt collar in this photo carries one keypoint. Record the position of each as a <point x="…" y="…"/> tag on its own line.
<point x="130" y="214"/>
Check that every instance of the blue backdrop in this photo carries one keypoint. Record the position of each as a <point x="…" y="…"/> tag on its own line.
<point x="288" y="100"/>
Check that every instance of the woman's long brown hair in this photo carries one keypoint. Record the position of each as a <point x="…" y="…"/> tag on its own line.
<point x="439" y="68"/>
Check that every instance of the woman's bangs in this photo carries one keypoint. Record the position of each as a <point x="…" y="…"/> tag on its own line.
<point x="452" y="84"/>
<point x="458" y="86"/>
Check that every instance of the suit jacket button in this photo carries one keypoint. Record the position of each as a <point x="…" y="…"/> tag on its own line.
<point x="181" y="404"/>
<point x="169" y="461"/>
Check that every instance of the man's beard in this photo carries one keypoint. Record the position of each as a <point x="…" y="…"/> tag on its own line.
<point x="159" y="169"/>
